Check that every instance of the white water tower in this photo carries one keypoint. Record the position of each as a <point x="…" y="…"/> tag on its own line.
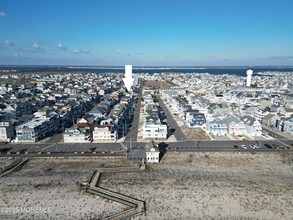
<point x="248" y="79"/>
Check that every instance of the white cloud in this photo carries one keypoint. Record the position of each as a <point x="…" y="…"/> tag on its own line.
<point x="35" y="46"/>
<point x="81" y="51"/>
<point x="2" y="14"/>
<point x="9" y="43"/>
<point x="61" y="46"/>
<point x="76" y="51"/>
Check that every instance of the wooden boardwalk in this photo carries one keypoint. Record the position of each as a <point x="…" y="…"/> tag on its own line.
<point x="135" y="206"/>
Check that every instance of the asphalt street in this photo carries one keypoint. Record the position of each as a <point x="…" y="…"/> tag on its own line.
<point x="132" y="133"/>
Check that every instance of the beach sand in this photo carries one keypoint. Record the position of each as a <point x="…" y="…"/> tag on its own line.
<point x="182" y="186"/>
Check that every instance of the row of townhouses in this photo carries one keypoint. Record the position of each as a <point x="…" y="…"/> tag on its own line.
<point x="106" y="122"/>
<point x="35" y="103"/>
<point x="153" y="128"/>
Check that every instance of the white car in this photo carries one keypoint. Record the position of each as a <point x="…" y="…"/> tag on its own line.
<point x="243" y="146"/>
<point x="253" y="146"/>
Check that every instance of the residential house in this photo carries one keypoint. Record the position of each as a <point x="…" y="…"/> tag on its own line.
<point x="195" y="119"/>
<point x="253" y="126"/>
<point x="77" y="135"/>
<point x="288" y="127"/>
<point x="152" y="153"/>
<point x="270" y="120"/>
<point x="6" y="131"/>
<point x="153" y="131"/>
<point x="104" y="133"/>
<point x="217" y="127"/>
<point x="235" y="126"/>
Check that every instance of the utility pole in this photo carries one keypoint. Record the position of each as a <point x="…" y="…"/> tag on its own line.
<point x="123" y="130"/>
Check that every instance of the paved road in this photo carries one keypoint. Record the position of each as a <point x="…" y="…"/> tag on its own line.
<point x="219" y="146"/>
<point x="61" y="155"/>
<point x="63" y="147"/>
<point x="115" y="149"/>
<point x="132" y="133"/>
<point x="173" y="126"/>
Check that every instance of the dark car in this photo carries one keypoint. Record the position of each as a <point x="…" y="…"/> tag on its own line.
<point x="268" y="146"/>
<point x="235" y="146"/>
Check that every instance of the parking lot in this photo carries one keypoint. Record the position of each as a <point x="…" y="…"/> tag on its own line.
<point x="222" y="146"/>
<point x="62" y="148"/>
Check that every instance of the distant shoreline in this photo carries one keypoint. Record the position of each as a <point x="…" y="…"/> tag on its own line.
<point x="240" y="70"/>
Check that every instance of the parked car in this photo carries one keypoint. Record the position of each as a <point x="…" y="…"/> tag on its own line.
<point x="268" y="146"/>
<point x="252" y="146"/>
<point x="236" y="146"/>
<point x="243" y="146"/>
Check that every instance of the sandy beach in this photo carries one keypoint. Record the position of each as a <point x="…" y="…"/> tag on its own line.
<point x="182" y="186"/>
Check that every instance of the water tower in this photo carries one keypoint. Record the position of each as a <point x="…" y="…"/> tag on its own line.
<point x="248" y="79"/>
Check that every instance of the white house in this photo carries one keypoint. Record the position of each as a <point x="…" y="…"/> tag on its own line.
<point x="77" y="135"/>
<point x="235" y="126"/>
<point x="6" y="131"/>
<point x="288" y="127"/>
<point x="104" y="133"/>
<point x="152" y="153"/>
<point x="253" y="126"/>
<point x="217" y="127"/>
<point x="152" y="130"/>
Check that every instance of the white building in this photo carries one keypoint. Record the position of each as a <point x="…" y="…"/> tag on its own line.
<point x="288" y="127"/>
<point x="235" y="126"/>
<point x="104" y="134"/>
<point x="128" y="80"/>
<point x="33" y="130"/>
<point x="6" y="131"/>
<point x="248" y="79"/>
<point x="77" y="135"/>
<point x="217" y="127"/>
<point x="152" y="130"/>
<point x="152" y="153"/>
<point x="253" y="126"/>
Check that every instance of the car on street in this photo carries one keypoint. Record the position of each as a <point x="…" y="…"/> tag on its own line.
<point x="252" y="146"/>
<point x="235" y="146"/>
<point x="268" y="146"/>
<point x="243" y="146"/>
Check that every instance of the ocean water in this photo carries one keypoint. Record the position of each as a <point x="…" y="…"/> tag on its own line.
<point x="241" y="71"/>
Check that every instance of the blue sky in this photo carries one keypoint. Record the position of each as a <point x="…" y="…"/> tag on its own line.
<point x="146" y="32"/>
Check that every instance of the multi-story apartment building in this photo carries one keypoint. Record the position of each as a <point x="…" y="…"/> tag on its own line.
<point x="6" y="131"/>
<point x="104" y="133"/>
<point x="33" y="130"/>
